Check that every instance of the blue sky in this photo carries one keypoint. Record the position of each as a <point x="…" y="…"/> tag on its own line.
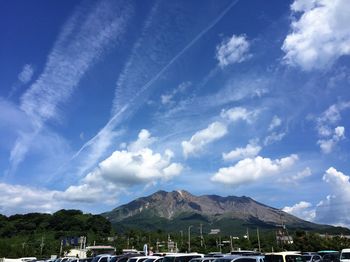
<point x="105" y="101"/>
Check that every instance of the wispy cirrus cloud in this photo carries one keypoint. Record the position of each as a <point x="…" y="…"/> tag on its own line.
<point x="26" y="74"/>
<point x="83" y="40"/>
<point x="146" y="65"/>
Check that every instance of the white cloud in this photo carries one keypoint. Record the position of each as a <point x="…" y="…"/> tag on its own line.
<point x="203" y="137"/>
<point x="239" y="113"/>
<point x="298" y="177"/>
<point x="167" y="98"/>
<point x="330" y="135"/>
<point x="26" y="74"/>
<point x="21" y="199"/>
<point x="144" y="140"/>
<point x="274" y="137"/>
<point x="72" y="56"/>
<point x="233" y="50"/>
<point x="335" y="208"/>
<point x="138" y="165"/>
<point x="327" y="145"/>
<point x="320" y="35"/>
<point x="330" y="117"/>
<point x="275" y="122"/>
<point x="251" y="150"/>
<point x="303" y="210"/>
<point x="250" y="170"/>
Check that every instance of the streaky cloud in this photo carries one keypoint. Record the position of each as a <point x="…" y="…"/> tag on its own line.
<point x="84" y="39"/>
<point x="133" y="85"/>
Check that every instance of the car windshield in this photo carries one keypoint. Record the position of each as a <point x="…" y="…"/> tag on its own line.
<point x="345" y="256"/>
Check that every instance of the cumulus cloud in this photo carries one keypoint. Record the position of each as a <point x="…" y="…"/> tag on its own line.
<point x="250" y="170"/>
<point x="233" y="50"/>
<point x="319" y="33"/>
<point x="327" y="145"/>
<point x="330" y="134"/>
<point x="144" y="140"/>
<point x="337" y="202"/>
<point x="303" y="210"/>
<point x="203" y="137"/>
<point x="239" y="113"/>
<point x="21" y="199"/>
<point x="330" y="117"/>
<point x="136" y="165"/>
<point x="251" y="150"/>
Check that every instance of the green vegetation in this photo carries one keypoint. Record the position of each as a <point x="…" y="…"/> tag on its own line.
<point x="40" y="235"/>
<point x="303" y="241"/>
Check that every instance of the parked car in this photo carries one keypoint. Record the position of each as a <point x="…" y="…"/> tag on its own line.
<point x="203" y="259"/>
<point x="154" y="259"/>
<point x="345" y="255"/>
<point x="238" y="258"/>
<point x="312" y="257"/>
<point x="288" y="256"/>
<point x="102" y="258"/>
<point x="181" y="257"/>
<point x="329" y="255"/>
<point x="138" y="258"/>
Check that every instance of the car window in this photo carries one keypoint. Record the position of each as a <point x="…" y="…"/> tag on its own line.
<point x="123" y="259"/>
<point x="274" y="258"/>
<point x="246" y="259"/>
<point x="103" y="259"/>
<point x="345" y="255"/>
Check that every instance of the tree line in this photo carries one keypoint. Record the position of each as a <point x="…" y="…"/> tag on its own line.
<point x="40" y="235"/>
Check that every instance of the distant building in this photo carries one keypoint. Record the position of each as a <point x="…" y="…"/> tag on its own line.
<point x="97" y="250"/>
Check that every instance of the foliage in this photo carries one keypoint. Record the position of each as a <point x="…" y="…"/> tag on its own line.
<point x="40" y="235"/>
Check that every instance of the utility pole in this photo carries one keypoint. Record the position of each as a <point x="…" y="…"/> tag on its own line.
<point x="182" y="237"/>
<point x="189" y="238"/>
<point x="42" y="245"/>
<point x="201" y="233"/>
<point x="231" y="244"/>
<point x="257" y="232"/>
<point x="61" y="248"/>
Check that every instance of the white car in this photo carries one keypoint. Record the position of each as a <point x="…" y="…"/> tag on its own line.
<point x="345" y="255"/>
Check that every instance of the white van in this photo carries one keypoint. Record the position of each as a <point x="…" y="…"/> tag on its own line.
<point x="345" y="255"/>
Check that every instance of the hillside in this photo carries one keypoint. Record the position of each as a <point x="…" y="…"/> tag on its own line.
<point x="176" y="210"/>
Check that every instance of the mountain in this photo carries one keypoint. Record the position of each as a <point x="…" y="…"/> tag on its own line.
<point x="172" y="211"/>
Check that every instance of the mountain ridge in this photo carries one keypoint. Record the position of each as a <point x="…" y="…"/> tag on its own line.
<point x="172" y="210"/>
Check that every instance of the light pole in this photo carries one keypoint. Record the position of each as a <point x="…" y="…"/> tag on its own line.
<point x="189" y="238"/>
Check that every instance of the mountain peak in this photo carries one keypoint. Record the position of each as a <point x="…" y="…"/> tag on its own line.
<point x="180" y="208"/>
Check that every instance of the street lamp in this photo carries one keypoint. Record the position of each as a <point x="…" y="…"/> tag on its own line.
<point x="189" y="238"/>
